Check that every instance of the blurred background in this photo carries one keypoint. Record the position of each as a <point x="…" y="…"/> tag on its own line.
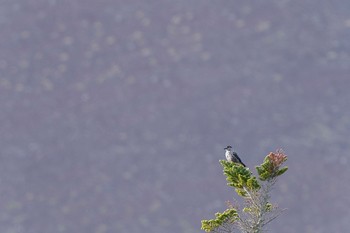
<point x="114" y="114"/>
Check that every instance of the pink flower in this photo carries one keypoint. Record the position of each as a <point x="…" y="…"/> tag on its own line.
<point x="277" y="158"/>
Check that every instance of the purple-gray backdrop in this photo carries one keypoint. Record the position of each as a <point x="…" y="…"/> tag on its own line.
<point x="114" y="114"/>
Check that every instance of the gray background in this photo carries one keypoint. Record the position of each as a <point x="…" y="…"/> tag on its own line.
<point x="114" y="114"/>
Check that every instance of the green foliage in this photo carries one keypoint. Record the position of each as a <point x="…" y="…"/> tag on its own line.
<point x="239" y="177"/>
<point x="228" y="216"/>
<point x="264" y="170"/>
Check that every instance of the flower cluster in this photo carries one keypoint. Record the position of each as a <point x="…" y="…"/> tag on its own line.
<point x="277" y="158"/>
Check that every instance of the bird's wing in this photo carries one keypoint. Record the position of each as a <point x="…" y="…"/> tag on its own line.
<point x="237" y="157"/>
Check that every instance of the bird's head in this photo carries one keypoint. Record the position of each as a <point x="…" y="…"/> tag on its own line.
<point x="229" y="148"/>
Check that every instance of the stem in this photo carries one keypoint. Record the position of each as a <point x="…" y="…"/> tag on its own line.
<point x="259" y="201"/>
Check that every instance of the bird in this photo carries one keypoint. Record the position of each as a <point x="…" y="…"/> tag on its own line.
<point x="232" y="156"/>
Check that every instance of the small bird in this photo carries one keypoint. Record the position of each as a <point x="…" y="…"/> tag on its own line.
<point x="232" y="156"/>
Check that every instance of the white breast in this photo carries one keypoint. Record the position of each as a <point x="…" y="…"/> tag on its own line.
<point x="228" y="155"/>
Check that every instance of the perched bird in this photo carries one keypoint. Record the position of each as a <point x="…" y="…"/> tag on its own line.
<point x="232" y="156"/>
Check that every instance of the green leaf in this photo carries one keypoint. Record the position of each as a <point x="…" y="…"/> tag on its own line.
<point x="228" y="215"/>
<point x="253" y="184"/>
<point x="241" y="192"/>
<point x="281" y="171"/>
